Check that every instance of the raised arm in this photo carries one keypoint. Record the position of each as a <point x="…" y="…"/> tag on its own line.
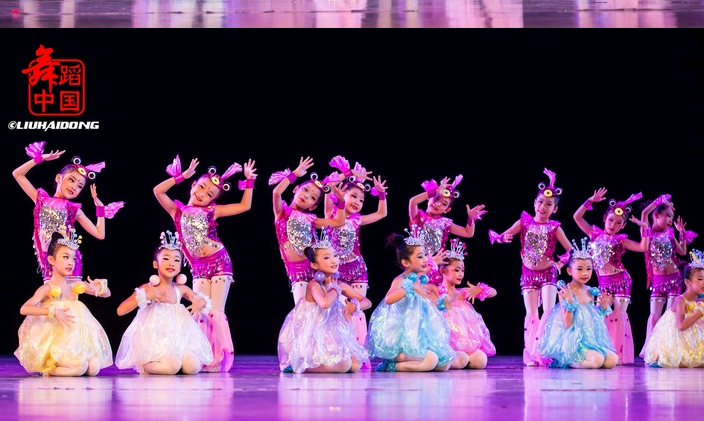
<point x="473" y="214"/>
<point x="380" y="213"/>
<point x="641" y="247"/>
<point x="163" y="187"/>
<point x="341" y="214"/>
<point x="97" y="230"/>
<point x="245" y="203"/>
<point x="598" y="196"/>
<point x="20" y="173"/>
<point x="285" y="181"/>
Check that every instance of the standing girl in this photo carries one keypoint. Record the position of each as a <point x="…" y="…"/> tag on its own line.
<point x="296" y="224"/>
<point x="575" y="333"/>
<point x="345" y="239"/>
<point x="60" y="336"/>
<point x="539" y="235"/>
<point x="53" y="212"/>
<point x="196" y="224"/>
<point x="677" y="340"/>
<point x="469" y="336"/>
<point x="316" y="336"/>
<point x="661" y="261"/>
<point x="163" y="338"/>
<point x="608" y="247"/>
<point x="437" y="227"/>
<point x="406" y="329"/>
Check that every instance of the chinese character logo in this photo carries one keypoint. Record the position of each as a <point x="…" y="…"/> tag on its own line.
<point x="57" y="87"/>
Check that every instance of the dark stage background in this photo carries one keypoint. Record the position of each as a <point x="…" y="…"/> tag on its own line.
<point x="492" y="106"/>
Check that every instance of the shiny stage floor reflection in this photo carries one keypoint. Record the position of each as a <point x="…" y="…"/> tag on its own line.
<point x="256" y="390"/>
<point x="351" y="13"/>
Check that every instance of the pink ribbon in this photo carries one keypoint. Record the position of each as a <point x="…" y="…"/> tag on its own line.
<point x="174" y="169"/>
<point x="35" y="150"/>
<point x="276" y="177"/>
<point x="112" y="208"/>
<point x="494" y="236"/>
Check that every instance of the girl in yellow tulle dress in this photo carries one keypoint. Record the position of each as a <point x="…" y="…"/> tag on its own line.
<point x="60" y="336"/>
<point x="677" y="340"/>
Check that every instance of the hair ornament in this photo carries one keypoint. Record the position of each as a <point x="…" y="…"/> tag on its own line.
<point x="697" y="259"/>
<point x="89" y="171"/>
<point x="621" y="208"/>
<point x="169" y="241"/>
<point x="71" y="239"/>
<point x="416" y="236"/>
<point x="581" y="253"/>
<point x="322" y="185"/>
<point x="219" y="180"/>
<point x="550" y="190"/>
<point x="321" y="242"/>
<point x="457" y="249"/>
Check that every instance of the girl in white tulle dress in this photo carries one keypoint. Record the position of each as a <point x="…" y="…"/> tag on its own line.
<point x="60" y="336"/>
<point x="318" y="335"/>
<point x="677" y="340"/>
<point x="163" y="337"/>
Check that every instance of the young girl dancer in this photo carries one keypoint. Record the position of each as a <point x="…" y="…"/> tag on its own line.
<point x="53" y="212"/>
<point x="316" y="336"/>
<point x="469" y="336"/>
<point x="608" y="247"/>
<point x="163" y="338"/>
<point x="296" y="224"/>
<point x="661" y="259"/>
<point x="437" y="227"/>
<point x="575" y="333"/>
<point x="677" y="340"/>
<point x="539" y="235"/>
<point x="60" y="336"/>
<point x="211" y="266"/>
<point x="345" y="239"/>
<point x="406" y="329"/>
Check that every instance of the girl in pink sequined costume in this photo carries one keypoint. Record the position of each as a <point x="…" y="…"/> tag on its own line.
<point x="608" y="247"/>
<point x="296" y="224"/>
<point x="539" y="235"/>
<point x="211" y="267"/>
<point x="469" y="336"/>
<point x="661" y="261"/>
<point x="437" y="227"/>
<point x="51" y="213"/>
<point x="346" y="239"/>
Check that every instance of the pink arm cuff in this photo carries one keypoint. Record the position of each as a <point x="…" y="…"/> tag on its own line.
<point x="292" y="177"/>
<point x="178" y="178"/>
<point x="588" y="204"/>
<point x="100" y="211"/>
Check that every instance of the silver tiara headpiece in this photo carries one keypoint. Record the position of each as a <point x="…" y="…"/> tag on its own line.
<point x="321" y="242"/>
<point x="416" y="236"/>
<point x="71" y="239"/>
<point x="584" y="252"/>
<point x="697" y="259"/>
<point x="170" y="241"/>
<point x="457" y="249"/>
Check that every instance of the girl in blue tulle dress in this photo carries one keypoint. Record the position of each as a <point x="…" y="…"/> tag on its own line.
<point x="575" y="334"/>
<point x="406" y="329"/>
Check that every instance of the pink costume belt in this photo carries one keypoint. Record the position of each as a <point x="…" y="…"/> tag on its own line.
<point x="536" y="279"/>
<point x="617" y="284"/>
<point x="216" y="264"/>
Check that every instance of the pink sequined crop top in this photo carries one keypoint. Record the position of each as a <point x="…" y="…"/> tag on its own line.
<point x="537" y="240"/>
<point x="607" y="248"/>
<point x="50" y="214"/>
<point x="345" y="239"/>
<point x="437" y="230"/>
<point x="295" y="230"/>
<point x="197" y="227"/>
<point x="661" y="251"/>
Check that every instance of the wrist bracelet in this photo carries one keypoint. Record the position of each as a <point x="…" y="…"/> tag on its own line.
<point x="355" y="302"/>
<point x="52" y="309"/>
<point x="292" y="177"/>
<point x="569" y="306"/>
<point x="588" y="204"/>
<point x="340" y="203"/>
<point x="100" y="211"/>
<point x="178" y="178"/>
<point x="38" y="159"/>
<point x="407" y="286"/>
<point x="382" y="195"/>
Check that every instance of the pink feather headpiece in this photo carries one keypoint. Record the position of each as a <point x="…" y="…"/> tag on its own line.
<point x="431" y="186"/>
<point x="549" y="190"/>
<point x="621" y="208"/>
<point x="89" y="171"/>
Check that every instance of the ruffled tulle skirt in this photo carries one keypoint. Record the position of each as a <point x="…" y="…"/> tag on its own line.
<point x="161" y="329"/>
<point x="412" y="326"/>
<point x="468" y="332"/>
<point x="568" y="347"/>
<point x="45" y="343"/>
<point x="672" y="348"/>
<point x="312" y="336"/>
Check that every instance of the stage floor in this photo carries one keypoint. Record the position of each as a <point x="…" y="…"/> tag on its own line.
<point x="351" y="13"/>
<point x="255" y="389"/>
